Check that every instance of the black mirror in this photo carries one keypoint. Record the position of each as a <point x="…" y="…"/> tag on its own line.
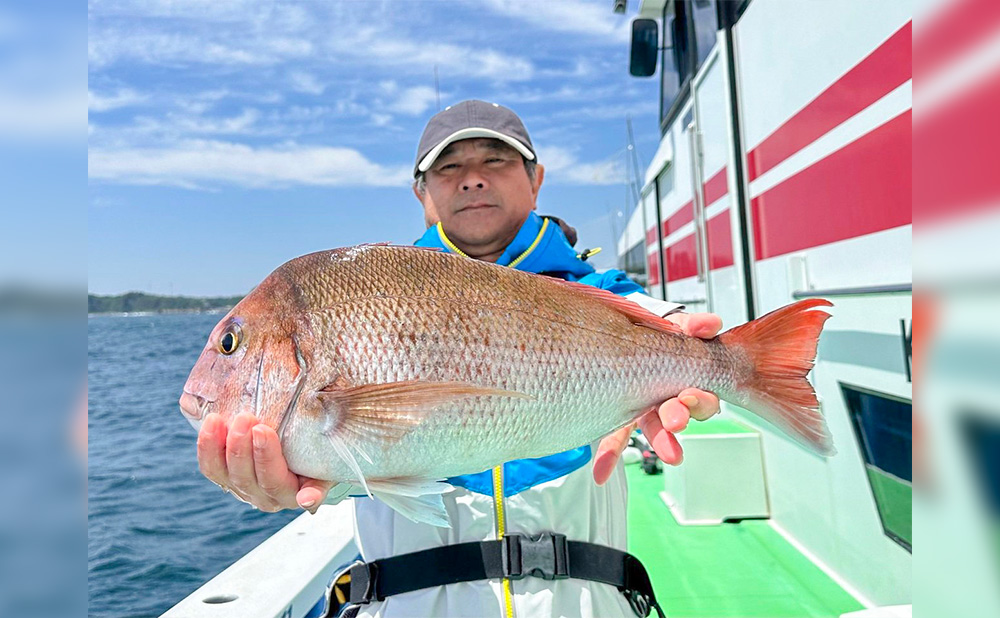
<point x="645" y="44"/>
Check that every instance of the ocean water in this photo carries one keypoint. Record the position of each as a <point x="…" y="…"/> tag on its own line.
<point x="157" y="529"/>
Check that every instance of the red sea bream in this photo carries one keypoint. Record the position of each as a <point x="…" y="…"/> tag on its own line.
<point x="395" y="367"/>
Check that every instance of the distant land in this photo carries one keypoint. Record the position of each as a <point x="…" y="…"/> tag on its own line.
<point x="135" y="302"/>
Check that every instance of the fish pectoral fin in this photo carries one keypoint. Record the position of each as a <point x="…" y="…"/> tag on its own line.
<point x="388" y="411"/>
<point x="418" y="500"/>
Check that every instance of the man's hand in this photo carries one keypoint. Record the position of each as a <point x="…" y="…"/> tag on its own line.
<point x="660" y="424"/>
<point x="246" y="460"/>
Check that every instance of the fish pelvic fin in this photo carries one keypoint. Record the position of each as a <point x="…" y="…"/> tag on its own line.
<point x="344" y="452"/>
<point x="386" y="412"/>
<point x="416" y="499"/>
<point x="781" y="347"/>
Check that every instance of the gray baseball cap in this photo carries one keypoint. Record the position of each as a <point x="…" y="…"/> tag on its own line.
<point x="467" y="120"/>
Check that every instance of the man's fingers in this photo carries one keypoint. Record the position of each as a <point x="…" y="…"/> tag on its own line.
<point x="608" y="452"/>
<point x="664" y="443"/>
<point x="239" y="455"/>
<point x="212" y="449"/>
<point x="702" y="405"/>
<point x="701" y="325"/>
<point x="270" y="467"/>
<point x="312" y="493"/>
<point x="674" y="415"/>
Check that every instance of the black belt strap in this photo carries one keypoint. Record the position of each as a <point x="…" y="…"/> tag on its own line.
<point x="548" y="556"/>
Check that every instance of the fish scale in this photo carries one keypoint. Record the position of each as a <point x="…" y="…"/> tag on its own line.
<point x="574" y="378"/>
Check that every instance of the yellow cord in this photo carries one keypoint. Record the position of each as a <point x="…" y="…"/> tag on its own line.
<point x="447" y="242"/>
<point x="508" y="597"/>
<point x="538" y="239"/>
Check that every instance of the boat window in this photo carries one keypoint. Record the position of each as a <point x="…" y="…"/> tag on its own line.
<point x="634" y="263"/>
<point x="672" y="62"/>
<point x="706" y="23"/>
<point x="883" y="425"/>
<point x="982" y="434"/>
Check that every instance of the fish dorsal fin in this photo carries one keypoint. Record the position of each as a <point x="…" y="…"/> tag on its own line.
<point x="388" y="411"/>
<point x="395" y="246"/>
<point x="639" y="316"/>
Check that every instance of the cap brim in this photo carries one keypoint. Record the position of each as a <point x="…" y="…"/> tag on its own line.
<point x="469" y="133"/>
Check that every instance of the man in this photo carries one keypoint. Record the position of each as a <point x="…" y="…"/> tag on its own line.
<point x="477" y="177"/>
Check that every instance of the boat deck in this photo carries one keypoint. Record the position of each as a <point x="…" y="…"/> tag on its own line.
<point x="744" y="569"/>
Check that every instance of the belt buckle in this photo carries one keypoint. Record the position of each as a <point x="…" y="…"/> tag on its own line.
<point x="364" y="583"/>
<point x="544" y="555"/>
<point x="338" y="593"/>
<point x="639" y="603"/>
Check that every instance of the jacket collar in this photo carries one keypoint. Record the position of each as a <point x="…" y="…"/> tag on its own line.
<point x="539" y="246"/>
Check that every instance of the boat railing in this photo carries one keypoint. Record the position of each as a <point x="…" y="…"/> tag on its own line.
<point x="284" y="576"/>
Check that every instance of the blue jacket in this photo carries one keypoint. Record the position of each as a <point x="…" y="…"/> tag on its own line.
<point x="539" y="247"/>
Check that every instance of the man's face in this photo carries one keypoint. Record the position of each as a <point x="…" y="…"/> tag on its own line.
<point x="480" y="191"/>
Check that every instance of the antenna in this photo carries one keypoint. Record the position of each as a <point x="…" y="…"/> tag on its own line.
<point x="437" y="87"/>
<point x="633" y="155"/>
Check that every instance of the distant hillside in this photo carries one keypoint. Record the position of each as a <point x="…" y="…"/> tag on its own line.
<point x="133" y="302"/>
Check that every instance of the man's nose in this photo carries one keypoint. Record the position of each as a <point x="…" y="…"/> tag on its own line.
<point x="473" y="180"/>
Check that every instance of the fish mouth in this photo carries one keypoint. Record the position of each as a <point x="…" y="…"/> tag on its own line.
<point x="193" y="406"/>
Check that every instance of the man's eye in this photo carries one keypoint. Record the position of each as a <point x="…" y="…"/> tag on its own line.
<point x="448" y="166"/>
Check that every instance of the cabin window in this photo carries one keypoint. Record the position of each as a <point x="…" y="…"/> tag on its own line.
<point x="689" y="35"/>
<point x="883" y="425"/>
<point x="706" y="23"/>
<point x="671" y="65"/>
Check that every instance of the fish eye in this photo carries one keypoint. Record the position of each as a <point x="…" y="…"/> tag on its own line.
<point x="230" y="340"/>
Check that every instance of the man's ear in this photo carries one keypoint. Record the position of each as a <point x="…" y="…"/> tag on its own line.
<point x="539" y="177"/>
<point x="430" y="210"/>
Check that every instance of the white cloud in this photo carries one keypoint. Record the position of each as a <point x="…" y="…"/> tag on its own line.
<point x="202" y="101"/>
<point x="580" y="17"/>
<point x="414" y="101"/>
<point x="386" y="48"/>
<point x="305" y="82"/>
<point x="563" y="167"/>
<point x="107" y="46"/>
<point x="123" y="97"/>
<point x="175" y="125"/>
<point x="170" y="34"/>
<point x="201" y="164"/>
<point x="608" y="111"/>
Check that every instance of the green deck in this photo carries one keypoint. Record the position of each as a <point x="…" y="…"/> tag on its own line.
<point x="744" y="570"/>
<point x="716" y="426"/>
<point x="895" y="500"/>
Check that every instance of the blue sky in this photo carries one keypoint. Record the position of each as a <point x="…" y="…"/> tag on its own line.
<point x="228" y="137"/>
<point x="42" y="145"/>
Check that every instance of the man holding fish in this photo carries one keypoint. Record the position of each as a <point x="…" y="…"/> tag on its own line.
<point x="478" y="180"/>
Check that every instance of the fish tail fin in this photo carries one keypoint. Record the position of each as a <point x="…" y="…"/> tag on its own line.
<point x="781" y="348"/>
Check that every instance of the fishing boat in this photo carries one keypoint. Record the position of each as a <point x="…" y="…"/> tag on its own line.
<point x="782" y="172"/>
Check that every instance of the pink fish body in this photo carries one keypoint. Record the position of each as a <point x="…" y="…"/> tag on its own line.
<point x="393" y="367"/>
